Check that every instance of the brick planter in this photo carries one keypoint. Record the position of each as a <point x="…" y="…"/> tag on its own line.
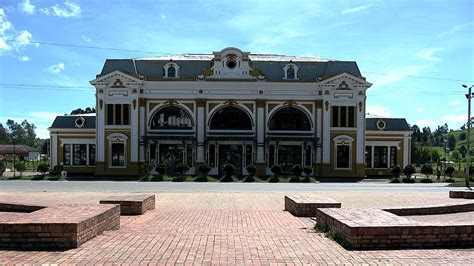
<point x="463" y="194"/>
<point x="132" y="204"/>
<point x="305" y="206"/>
<point x="455" y="207"/>
<point x="57" y="227"/>
<point x="378" y="229"/>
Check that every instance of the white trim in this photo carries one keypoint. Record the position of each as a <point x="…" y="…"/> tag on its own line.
<point x="385" y="132"/>
<point x="60" y="130"/>
<point x="383" y="143"/>
<point x="151" y="113"/>
<point x="176" y="67"/>
<point x="285" y="71"/>
<point x="121" y="139"/>
<point x="343" y="140"/>
<point x="77" y="141"/>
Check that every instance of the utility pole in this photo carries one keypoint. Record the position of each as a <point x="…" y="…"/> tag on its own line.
<point x="468" y="137"/>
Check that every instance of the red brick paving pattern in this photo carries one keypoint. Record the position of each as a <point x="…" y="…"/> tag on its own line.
<point x="225" y="237"/>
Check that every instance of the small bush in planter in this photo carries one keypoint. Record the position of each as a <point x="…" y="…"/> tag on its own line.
<point x="426" y="180"/>
<point x="182" y="168"/>
<point x="161" y="168"/>
<point x="156" y="178"/>
<point x="228" y="171"/>
<point x="427" y="170"/>
<point x="20" y="167"/>
<point x="276" y="170"/>
<point x="251" y="169"/>
<point x="180" y="178"/>
<point x="296" y="170"/>
<point x="305" y="179"/>
<point x="408" y="180"/>
<point x="294" y="179"/>
<point x="395" y="180"/>
<point x="203" y="171"/>
<point x="43" y="168"/>
<point x="409" y="170"/>
<point x="449" y="171"/>
<point x="396" y="170"/>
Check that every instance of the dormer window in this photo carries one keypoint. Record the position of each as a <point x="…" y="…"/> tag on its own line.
<point x="171" y="70"/>
<point x="290" y="72"/>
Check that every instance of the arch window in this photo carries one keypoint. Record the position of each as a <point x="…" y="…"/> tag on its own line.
<point x="290" y="119"/>
<point x="171" y="117"/>
<point x="171" y="70"/>
<point x="290" y="71"/>
<point x="230" y="118"/>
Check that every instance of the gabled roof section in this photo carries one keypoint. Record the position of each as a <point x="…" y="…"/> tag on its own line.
<point x="390" y="124"/>
<point x="269" y="65"/>
<point x="69" y="121"/>
<point x="19" y="148"/>
<point x="127" y="77"/>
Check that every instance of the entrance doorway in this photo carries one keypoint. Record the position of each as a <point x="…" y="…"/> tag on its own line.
<point x="289" y="155"/>
<point x="171" y="155"/>
<point x="230" y="154"/>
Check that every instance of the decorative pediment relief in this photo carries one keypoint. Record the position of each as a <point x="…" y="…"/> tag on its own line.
<point x="345" y="81"/>
<point x="231" y="63"/>
<point x="116" y="79"/>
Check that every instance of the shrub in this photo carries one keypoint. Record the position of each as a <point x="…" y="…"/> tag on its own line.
<point x="427" y="170"/>
<point x="41" y="177"/>
<point x="249" y="179"/>
<point x="449" y="171"/>
<point x="161" y="168"/>
<point x="157" y="178"/>
<point x="296" y="170"/>
<point x="450" y="180"/>
<point x="426" y="180"/>
<point x="20" y="167"/>
<point x="204" y="169"/>
<point x="274" y="179"/>
<point x="182" y="168"/>
<point x="408" y="180"/>
<point x="251" y="169"/>
<point x="305" y="179"/>
<point x="409" y="170"/>
<point x="3" y="167"/>
<point x="55" y="178"/>
<point x="42" y="168"/>
<point x="180" y="178"/>
<point x="307" y="170"/>
<point x="294" y="179"/>
<point x="57" y="169"/>
<point x="395" y="180"/>
<point x="201" y="179"/>
<point x="396" y="170"/>
<point x="145" y="168"/>
<point x="229" y="169"/>
<point x="146" y="178"/>
<point x="276" y="170"/>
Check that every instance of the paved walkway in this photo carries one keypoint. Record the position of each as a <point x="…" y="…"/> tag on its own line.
<point x="220" y="228"/>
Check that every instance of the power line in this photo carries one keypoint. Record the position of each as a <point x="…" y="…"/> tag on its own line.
<point x="42" y="85"/>
<point x="158" y="53"/>
<point x="89" y="47"/>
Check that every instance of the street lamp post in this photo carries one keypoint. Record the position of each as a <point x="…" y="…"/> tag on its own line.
<point x="14" y="170"/>
<point x="469" y="96"/>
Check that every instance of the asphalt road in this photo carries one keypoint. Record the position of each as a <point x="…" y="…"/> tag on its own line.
<point x="133" y="186"/>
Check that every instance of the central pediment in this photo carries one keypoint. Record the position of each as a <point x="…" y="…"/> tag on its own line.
<point x="231" y="63"/>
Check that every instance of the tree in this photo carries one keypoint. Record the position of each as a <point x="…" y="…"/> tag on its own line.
<point x="456" y="156"/>
<point x="462" y="135"/>
<point x="79" y="111"/>
<point x="463" y="150"/>
<point x="449" y="171"/>
<point x="42" y="168"/>
<point x="426" y="136"/>
<point x="20" y="167"/>
<point x="416" y="136"/>
<point x="182" y="168"/>
<point x="396" y="170"/>
<point x="409" y="170"/>
<point x="451" y="142"/>
<point x="427" y="170"/>
<point x="463" y="127"/>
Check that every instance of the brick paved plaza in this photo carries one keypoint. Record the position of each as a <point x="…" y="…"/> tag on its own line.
<point x="230" y="228"/>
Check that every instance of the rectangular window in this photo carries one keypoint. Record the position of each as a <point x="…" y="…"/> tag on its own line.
<point x="118" y="114"/>
<point x="91" y="154"/>
<point x="335" y="116"/>
<point x="212" y="155"/>
<point x="393" y="156"/>
<point x="110" y="114"/>
<point x="189" y="155"/>
<point x="79" y="154"/>
<point x="67" y="154"/>
<point x="248" y="155"/>
<point x="343" y="116"/>
<point x="368" y="156"/>
<point x="380" y="157"/>
<point x="351" y="116"/>
<point x="118" y="154"/>
<point x="126" y="114"/>
<point x="343" y="156"/>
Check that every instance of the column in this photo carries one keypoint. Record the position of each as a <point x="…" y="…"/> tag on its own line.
<point x="388" y="156"/>
<point x="142" y="123"/>
<point x="201" y="131"/>
<point x="54" y="150"/>
<point x="260" y="135"/>
<point x="134" y="128"/>
<point x="100" y="134"/>
<point x="318" y="124"/>
<point x="360" y="111"/>
<point x="326" y="129"/>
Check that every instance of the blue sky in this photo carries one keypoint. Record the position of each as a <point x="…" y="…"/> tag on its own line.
<point x="416" y="53"/>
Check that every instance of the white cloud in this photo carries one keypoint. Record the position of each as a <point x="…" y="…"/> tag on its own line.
<point x="27" y="7"/>
<point x="395" y="75"/>
<point x="459" y="118"/>
<point x="86" y="39"/>
<point x="420" y="109"/>
<point x="70" y="9"/>
<point x="358" y="9"/>
<point x="56" y="69"/>
<point x="456" y="29"/>
<point x="163" y="16"/>
<point x="24" y="58"/>
<point x="455" y="103"/>
<point x="10" y="40"/>
<point x="425" y="123"/>
<point x="24" y="38"/>
<point x="377" y="111"/>
<point x="429" y="54"/>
